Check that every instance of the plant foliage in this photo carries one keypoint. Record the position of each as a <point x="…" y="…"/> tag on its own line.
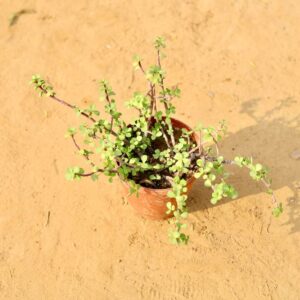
<point x="150" y="151"/>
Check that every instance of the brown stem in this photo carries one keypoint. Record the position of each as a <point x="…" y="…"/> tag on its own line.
<point x="79" y="149"/>
<point x="225" y="161"/>
<point x="165" y="100"/>
<point x="155" y="110"/>
<point x="268" y="186"/>
<point x="165" y="138"/>
<point x="158" y="58"/>
<point x="75" y="107"/>
<point x="151" y="95"/>
<point x="141" y="67"/>
<point x="153" y="106"/>
<point x="95" y="172"/>
<point x="88" y="159"/>
<point x="194" y="149"/>
<point x="109" y="103"/>
<point x="210" y="158"/>
<point x="121" y="162"/>
<point x="91" y="173"/>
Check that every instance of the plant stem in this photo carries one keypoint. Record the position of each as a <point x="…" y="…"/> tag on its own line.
<point x="155" y="110"/>
<point x="153" y="106"/>
<point x="151" y="95"/>
<point x="95" y="172"/>
<point x="141" y="67"/>
<point x="75" y="107"/>
<point x="88" y="159"/>
<point x="268" y="186"/>
<point x="109" y="103"/>
<point x="200" y="142"/>
<point x="79" y="149"/>
<point x="165" y="100"/>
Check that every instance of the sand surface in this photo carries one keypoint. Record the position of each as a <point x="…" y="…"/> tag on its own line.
<point x="234" y="60"/>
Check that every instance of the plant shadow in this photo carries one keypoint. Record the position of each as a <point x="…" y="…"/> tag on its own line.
<point x="271" y="140"/>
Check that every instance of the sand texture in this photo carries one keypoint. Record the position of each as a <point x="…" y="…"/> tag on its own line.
<point x="235" y="60"/>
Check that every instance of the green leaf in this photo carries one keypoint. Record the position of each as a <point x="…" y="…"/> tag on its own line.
<point x="71" y="131"/>
<point x="74" y="173"/>
<point x="171" y="194"/>
<point x="132" y="161"/>
<point x="155" y="74"/>
<point x="184" y="215"/>
<point x="197" y="175"/>
<point x="277" y="211"/>
<point x="154" y="177"/>
<point x="136" y="61"/>
<point x="159" y="43"/>
<point x="207" y="183"/>
<point x="169" y="205"/>
<point x="95" y="177"/>
<point x="200" y="163"/>
<point x="213" y="201"/>
<point x="133" y="188"/>
<point x="258" y="167"/>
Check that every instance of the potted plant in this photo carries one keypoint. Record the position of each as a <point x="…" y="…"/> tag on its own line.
<point x="156" y="156"/>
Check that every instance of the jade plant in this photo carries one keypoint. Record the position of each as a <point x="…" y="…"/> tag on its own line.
<point x="150" y="152"/>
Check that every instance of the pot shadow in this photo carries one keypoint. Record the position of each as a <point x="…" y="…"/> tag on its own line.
<point x="270" y="141"/>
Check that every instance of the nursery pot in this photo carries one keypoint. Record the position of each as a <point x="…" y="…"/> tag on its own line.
<point x="152" y="203"/>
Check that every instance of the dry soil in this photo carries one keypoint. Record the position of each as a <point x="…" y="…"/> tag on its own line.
<point x="235" y="60"/>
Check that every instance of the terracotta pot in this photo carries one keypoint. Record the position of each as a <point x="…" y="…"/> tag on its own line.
<point x="151" y="203"/>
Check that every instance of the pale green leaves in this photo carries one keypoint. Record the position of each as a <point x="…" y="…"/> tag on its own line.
<point x="133" y="188"/>
<point x="95" y="177"/>
<point x="144" y="158"/>
<point x="74" y="173"/>
<point x="242" y="161"/>
<point x="155" y="74"/>
<point x="70" y="132"/>
<point x="171" y="208"/>
<point x="149" y="150"/>
<point x="182" y="162"/>
<point x="178" y="238"/>
<point x="159" y="43"/>
<point x="209" y="179"/>
<point x="91" y="110"/>
<point x="41" y="86"/>
<point x="85" y="152"/>
<point x="105" y="89"/>
<point x="223" y="190"/>
<point x="156" y="131"/>
<point x="178" y="192"/>
<point x="140" y="102"/>
<point x="182" y="145"/>
<point x="111" y="109"/>
<point x="136" y="62"/>
<point x="176" y="235"/>
<point x="172" y="92"/>
<point x="278" y="210"/>
<point x="155" y="177"/>
<point x="257" y="171"/>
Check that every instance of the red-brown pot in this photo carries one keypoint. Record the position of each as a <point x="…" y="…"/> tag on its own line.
<point x="152" y="203"/>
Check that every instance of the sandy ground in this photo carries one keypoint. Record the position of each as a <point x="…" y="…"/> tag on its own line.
<point x="234" y="60"/>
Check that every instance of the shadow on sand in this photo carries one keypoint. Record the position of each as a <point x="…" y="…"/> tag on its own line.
<point x="270" y="141"/>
